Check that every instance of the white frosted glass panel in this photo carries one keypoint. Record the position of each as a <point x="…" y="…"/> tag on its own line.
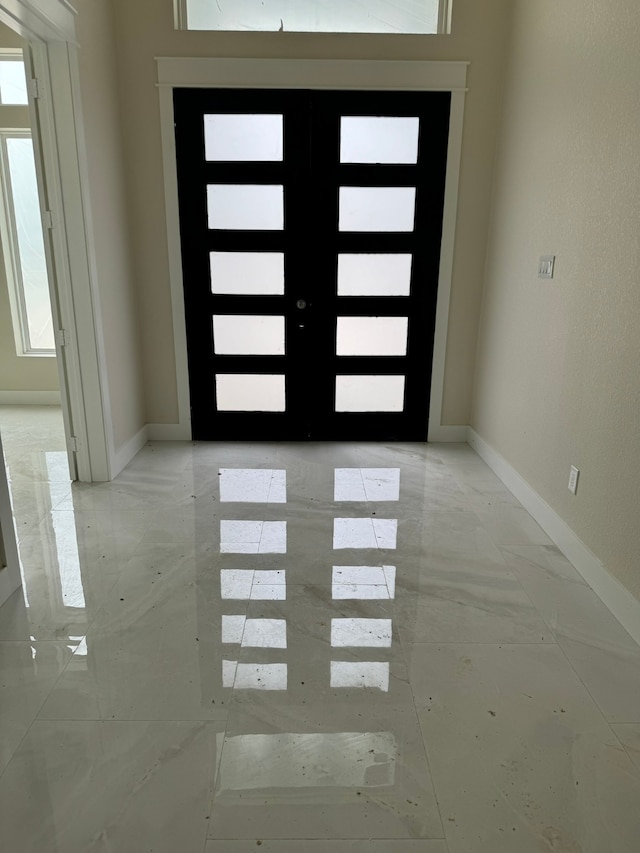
<point x="377" y="139"/>
<point x="314" y="16"/>
<point x="250" y="392"/>
<point x="13" y="82"/>
<point x="377" y="208"/>
<point x="369" y="393"/>
<point x="372" y="336"/>
<point x="247" y="273"/>
<point x="31" y="256"/>
<point x="240" y="334"/>
<point x="243" y="137"/>
<point x="374" y="275"/>
<point x="246" y="207"/>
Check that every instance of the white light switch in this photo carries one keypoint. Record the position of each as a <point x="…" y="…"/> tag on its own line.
<point x="546" y="266"/>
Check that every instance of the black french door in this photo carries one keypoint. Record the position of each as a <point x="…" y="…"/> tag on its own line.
<point x="310" y="224"/>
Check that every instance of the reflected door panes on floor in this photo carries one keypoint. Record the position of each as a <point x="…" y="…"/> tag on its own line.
<point x="372" y="336"/>
<point x="245" y="207"/>
<point x="377" y="208"/>
<point x="378" y="139"/>
<point x="247" y="273"/>
<point x="374" y="275"/>
<point x="243" y="138"/>
<point x="248" y="335"/>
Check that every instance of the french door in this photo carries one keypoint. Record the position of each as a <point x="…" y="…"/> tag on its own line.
<point x="311" y="224"/>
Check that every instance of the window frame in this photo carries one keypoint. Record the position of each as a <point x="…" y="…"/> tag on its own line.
<point x="11" y="253"/>
<point x="444" y="21"/>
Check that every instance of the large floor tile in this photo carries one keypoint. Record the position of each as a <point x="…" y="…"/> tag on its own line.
<point x="129" y="787"/>
<point x="28" y="673"/>
<point x="470" y="604"/>
<point x="629" y="736"/>
<point x="521" y="757"/>
<point x="604" y="655"/>
<point x="324" y="770"/>
<point x="153" y="652"/>
<point x="548" y="558"/>
<point x="300" y="845"/>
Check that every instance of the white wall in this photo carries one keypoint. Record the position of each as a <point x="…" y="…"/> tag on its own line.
<point x="145" y="29"/>
<point x="110" y="217"/>
<point x="558" y="370"/>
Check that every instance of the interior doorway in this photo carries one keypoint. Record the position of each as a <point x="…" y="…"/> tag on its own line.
<point x="311" y="227"/>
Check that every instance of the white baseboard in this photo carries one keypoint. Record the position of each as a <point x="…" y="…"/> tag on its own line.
<point x="438" y="432"/>
<point x="125" y="453"/>
<point x="29" y="398"/>
<point x="611" y="592"/>
<point x="169" y="432"/>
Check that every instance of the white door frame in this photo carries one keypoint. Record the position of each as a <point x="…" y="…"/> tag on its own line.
<point x="378" y="75"/>
<point x="48" y="26"/>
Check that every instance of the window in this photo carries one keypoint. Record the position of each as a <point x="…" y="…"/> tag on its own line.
<point x="316" y="16"/>
<point x="13" y="81"/>
<point x="23" y="245"/>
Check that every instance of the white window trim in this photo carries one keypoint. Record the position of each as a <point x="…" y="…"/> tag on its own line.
<point x="444" y="20"/>
<point x="11" y="253"/>
<point x="378" y="75"/>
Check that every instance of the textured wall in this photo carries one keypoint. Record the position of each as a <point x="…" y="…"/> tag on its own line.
<point x="558" y="373"/>
<point x="144" y="30"/>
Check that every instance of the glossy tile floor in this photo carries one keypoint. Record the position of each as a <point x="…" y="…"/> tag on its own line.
<point x="304" y="648"/>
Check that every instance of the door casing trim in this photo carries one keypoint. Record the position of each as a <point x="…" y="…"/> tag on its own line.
<point x="377" y="75"/>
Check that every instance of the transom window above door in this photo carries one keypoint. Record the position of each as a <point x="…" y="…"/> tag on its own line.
<point x="316" y="16"/>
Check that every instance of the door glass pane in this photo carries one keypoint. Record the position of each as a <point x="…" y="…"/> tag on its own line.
<point x="369" y="393"/>
<point x="373" y="139"/>
<point x="13" y="82"/>
<point x="246" y="207"/>
<point x="243" y="137"/>
<point x="250" y="392"/>
<point x="314" y="16"/>
<point x="372" y="336"/>
<point x="374" y="275"/>
<point x="377" y="208"/>
<point x="247" y="273"/>
<point x="31" y="254"/>
<point x="248" y="335"/>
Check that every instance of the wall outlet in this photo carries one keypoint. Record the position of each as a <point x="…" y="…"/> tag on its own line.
<point x="546" y="266"/>
<point x="574" y="473"/>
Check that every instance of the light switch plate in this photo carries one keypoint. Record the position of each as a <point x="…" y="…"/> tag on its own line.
<point x="546" y="266"/>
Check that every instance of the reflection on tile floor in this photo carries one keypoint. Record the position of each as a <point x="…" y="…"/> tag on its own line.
<point x="212" y="655"/>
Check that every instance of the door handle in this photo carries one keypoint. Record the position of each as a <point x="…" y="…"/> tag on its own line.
<point x="301" y="304"/>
